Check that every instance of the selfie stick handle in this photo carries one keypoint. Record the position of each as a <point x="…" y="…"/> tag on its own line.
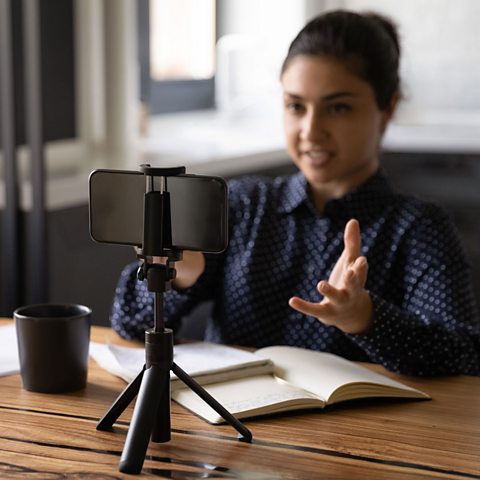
<point x="151" y="415"/>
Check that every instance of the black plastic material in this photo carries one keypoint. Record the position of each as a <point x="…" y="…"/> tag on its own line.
<point x="162" y="172"/>
<point x="151" y="415"/>
<point x="141" y="425"/>
<point x="157" y="236"/>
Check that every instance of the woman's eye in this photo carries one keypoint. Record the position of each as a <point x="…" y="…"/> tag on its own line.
<point x="294" y="107"/>
<point x="338" y="108"/>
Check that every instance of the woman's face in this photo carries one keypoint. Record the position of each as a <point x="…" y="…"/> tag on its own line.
<point x="332" y="123"/>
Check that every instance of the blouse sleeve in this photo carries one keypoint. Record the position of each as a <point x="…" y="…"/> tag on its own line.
<point x="132" y="308"/>
<point x="435" y="331"/>
<point x="133" y="304"/>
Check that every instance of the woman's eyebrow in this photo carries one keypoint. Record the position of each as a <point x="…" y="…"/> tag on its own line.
<point x="326" y="98"/>
<point x="293" y="96"/>
<point x="337" y="95"/>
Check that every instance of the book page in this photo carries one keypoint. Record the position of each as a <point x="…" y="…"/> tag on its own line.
<point x="197" y="359"/>
<point x="204" y="357"/>
<point x="247" y="397"/>
<point x="324" y="373"/>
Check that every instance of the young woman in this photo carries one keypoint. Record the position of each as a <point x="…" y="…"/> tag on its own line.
<point x="331" y="258"/>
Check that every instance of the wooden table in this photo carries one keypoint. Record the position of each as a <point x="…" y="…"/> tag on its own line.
<point x="54" y="436"/>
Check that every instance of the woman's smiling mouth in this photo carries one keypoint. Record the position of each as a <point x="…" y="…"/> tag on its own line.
<point x="316" y="158"/>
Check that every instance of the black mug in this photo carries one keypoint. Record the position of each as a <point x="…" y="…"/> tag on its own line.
<point x="53" y="341"/>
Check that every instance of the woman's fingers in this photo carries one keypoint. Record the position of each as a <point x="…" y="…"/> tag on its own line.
<point x="360" y="267"/>
<point x="317" y="310"/>
<point x="353" y="276"/>
<point x="334" y="295"/>
<point x="354" y="279"/>
<point x="352" y="240"/>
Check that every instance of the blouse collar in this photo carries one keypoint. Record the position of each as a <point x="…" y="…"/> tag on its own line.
<point x="367" y="197"/>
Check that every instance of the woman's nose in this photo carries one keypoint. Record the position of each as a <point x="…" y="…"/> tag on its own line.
<point x="313" y="127"/>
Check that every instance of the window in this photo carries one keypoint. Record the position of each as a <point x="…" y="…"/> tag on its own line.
<point x="177" y="54"/>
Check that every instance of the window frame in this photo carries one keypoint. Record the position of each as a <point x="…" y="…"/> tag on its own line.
<point x="168" y="96"/>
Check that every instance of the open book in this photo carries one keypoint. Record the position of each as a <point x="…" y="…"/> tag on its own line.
<point x="271" y="380"/>
<point x="302" y="379"/>
<point x="205" y="362"/>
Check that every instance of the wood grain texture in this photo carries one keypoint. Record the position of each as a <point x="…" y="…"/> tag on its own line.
<point x="54" y="436"/>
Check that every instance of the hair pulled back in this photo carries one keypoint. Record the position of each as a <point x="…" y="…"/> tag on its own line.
<point x="367" y="43"/>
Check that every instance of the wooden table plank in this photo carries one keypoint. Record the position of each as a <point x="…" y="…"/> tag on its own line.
<point x="46" y="444"/>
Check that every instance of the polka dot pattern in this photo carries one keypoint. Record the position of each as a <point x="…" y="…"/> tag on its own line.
<point x="424" y="311"/>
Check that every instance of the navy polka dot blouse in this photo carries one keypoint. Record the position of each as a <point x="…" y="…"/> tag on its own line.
<point x="425" y="320"/>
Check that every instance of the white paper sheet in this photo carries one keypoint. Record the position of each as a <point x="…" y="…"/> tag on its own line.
<point x="9" y="362"/>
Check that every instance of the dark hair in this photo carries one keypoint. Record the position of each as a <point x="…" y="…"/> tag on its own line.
<point x="368" y="43"/>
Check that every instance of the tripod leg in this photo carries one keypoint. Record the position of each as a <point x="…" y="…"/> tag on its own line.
<point x="121" y="403"/>
<point x="162" y="427"/>
<point x="144" y="414"/>
<point x="245" y="434"/>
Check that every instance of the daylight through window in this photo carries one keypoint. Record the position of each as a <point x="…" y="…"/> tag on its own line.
<point x="182" y="39"/>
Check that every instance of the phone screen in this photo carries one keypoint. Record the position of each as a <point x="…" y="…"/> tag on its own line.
<point x="199" y="209"/>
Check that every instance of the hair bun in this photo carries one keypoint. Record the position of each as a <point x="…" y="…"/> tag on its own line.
<point x="389" y="26"/>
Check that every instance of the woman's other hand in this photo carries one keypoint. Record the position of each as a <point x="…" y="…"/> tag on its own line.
<point x="188" y="269"/>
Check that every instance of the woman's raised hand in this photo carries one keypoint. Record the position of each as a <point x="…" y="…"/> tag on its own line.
<point x="346" y="303"/>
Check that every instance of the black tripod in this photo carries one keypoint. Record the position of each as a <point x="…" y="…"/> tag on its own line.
<point x="151" y="415"/>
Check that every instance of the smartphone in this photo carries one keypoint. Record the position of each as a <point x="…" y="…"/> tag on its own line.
<point x="199" y="209"/>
